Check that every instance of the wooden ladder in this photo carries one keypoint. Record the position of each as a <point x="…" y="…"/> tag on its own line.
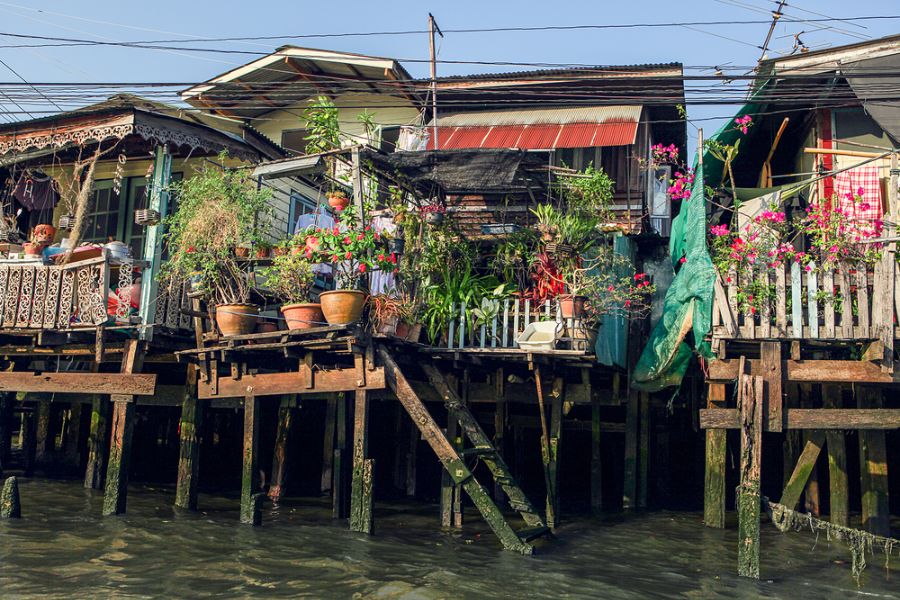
<point x="454" y="461"/>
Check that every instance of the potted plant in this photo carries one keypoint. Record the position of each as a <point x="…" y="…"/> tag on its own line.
<point x="263" y="250"/>
<point x="385" y="312"/>
<point x="218" y="210"/>
<point x="433" y="213"/>
<point x="354" y="250"/>
<point x="290" y="278"/>
<point x="324" y="135"/>
<point x="337" y="199"/>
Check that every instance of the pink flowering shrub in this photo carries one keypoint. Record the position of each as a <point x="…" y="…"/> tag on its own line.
<point x="680" y="186"/>
<point x="743" y="123"/>
<point x="663" y="155"/>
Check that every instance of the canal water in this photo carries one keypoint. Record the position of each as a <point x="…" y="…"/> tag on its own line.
<point x="63" y="548"/>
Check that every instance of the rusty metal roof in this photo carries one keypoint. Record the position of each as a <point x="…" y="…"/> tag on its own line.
<point x="537" y="137"/>
<point x="544" y="116"/>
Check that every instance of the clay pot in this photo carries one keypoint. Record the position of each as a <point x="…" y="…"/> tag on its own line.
<point x="342" y="307"/>
<point x="237" y="319"/>
<point x="33" y="249"/>
<point x="266" y="326"/>
<point x="279" y="251"/>
<point x="571" y="307"/>
<point x="402" y="330"/>
<point x="44" y="234"/>
<point x="262" y="252"/>
<point x="389" y="327"/>
<point x="242" y="252"/>
<point x="303" y="315"/>
<point x="338" y="200"/>
<point x="415" y="332"/>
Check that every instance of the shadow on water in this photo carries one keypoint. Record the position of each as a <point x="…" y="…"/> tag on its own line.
<point x="63" y="548"/>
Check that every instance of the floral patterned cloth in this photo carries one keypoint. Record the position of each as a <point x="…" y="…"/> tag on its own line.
<point x="859" y="195"/>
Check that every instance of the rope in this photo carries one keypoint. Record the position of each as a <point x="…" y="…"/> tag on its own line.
<point x="860" y="542"/>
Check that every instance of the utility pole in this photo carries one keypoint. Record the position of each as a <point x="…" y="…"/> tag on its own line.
<point x="432" y="29"/>
<point x="776" y="14"/>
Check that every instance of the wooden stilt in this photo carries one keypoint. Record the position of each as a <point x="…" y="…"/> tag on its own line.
<point x="114" y="498"/>
<point x="361" y="487"/>
<point x="499" y="422"/>
<point x="837" y="462"/>
<point x="812" y="485"/>
<point x="6" y="411"/>
<point x="98" y="442"/>
<point x="29" y="440"/>
<point x="328" y="444"/>
<point x="792" y="437"/>
<point x="414" y="436"/>
<point x="72" y="449"/>
<point x="189" y="444"/>
<point x="287" y="417"/>
<point x="10" y="508"/>
<point x="714" y="483"/>
<point x="249" y="473"/>
<point x="339" y="481"/>
<point x="750" y="400"/>
<point x="556" y="418"/>
<point x="873" y="468"/>
<point x="629" y="493"/>
<point x="448" y="487"/>
<point x="644" y="451"/>
<point x="398" y="473"/>
<point x="43" y="442"/>
<point x="596" y="457"/>
<point x="803" y="471"/>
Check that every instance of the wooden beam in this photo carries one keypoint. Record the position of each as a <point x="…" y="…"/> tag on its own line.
<point x="189" y="444"/>
<point x="750" y="401"/>
<point x="808" y="371"/>
<point x="78" y="383"/>
<point x="361" y="486"/>
<point x="873" y="469"/>
<point x="281" y="455"/>
<point x="249" y="474"/>
<point x="839" y="511"/>
<point x="341" y="457"/>
<point x="276" y="384"/>
<point x="805" y="465"/>
<point x="812" y="418"/>
<point x="771" y="367"/>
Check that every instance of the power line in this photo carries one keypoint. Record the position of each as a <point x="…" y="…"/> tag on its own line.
<point x="16" y="73"/>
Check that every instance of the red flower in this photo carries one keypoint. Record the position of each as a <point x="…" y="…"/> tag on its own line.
<point x="381" y="257"/>
<point x="627" y="303"/>
<point x="683" y="259"/>
<point x="308" y="253"/>
<point x="360" y="237"/>
<point x="334" y="258"/>
<point x="393" y="258"/>
<point x="190" y="249"/>
<point x="347" y="240"/>
<point x="362" y="268"/>
<point x="349" y="255"/>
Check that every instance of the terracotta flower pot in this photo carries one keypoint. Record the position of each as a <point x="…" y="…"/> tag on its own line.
<point x="242" y="252"/>
<point x="572" y="307"/>
<point x="262" y="252"/>
<point x="237" y="319"/>
<point x="303" y="315"/>
<point x="342" y="307"/>
<point x="402" y="330"/>
<point x="266" y="326"/>
<point x="33" y="249"/>
<point x="279" y="251"/>
<point x="338" y="200"/>
<point x="415" y="332"/>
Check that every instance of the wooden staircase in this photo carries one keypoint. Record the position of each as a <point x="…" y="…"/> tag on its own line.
<point x="454" y="461"/>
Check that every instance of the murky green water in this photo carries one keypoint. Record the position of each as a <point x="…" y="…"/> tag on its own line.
<point x="63" y="548"/>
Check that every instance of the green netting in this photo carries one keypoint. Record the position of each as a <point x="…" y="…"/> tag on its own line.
<point x="688" y="302"/>
<point x="611" y="347"/>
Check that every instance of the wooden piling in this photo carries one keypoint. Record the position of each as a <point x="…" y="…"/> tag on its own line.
<point x="449" y="492"/>
<point x="643" y="451"/>
<point x="750" y="401"/>
<point x="411" y="465"/>
<point x="6" y="411"/>
<point x="72" y="448"/>
<point x="873" y="468"/>
<point x="361" y="486"/>
<point x="339" y="479"/>
<point x="10" y="508"/>
<point x="837" y="462"/>
<point x="500" y="411"/>
<point x="328" y="443"/>
<point x="556" y="418"/>
<point x="714" y="481"/>
<point x="287" y="417"/>
<point x="811" y="494"/>
<point x="29" y="440"/>
<point x="190" y="425"/>
<point x="114" y="498"/>
<point x="596" y="455"/>
<point x="629" y="491"/>
<point x="43" y="443"/>
<point x="97" y="443"/>
<point x="249" y="472"/>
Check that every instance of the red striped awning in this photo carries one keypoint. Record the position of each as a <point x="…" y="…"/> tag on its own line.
<point x="536" y="137"/>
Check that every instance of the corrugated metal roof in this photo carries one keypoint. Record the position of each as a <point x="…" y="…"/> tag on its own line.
<point x="537" y="137"/>
<point x="544" y="116"/>
<point x="599" y="70"/>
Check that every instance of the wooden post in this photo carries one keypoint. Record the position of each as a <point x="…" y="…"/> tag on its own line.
<point x="714" y="481"/>
<point x="153" y="238"/>
<point x="122" y="429"/>
<point x="770" y="359"/>
<point x="6" y="411"/>
<point x="448" y="487"/>
<point x="10" y="508"/>
<point x="249" y="473"/>
<point x="873" y="468"/>
<point x="287" y="416"/>
<point x="556" y="418"/>
<point x="339" y="482"/>
<point x="750" y="400"/>
<point x="644" y="447"/>
<point x="361" y="486"/>
<point x="414" y="436"/>
<point x="189" y="444"/>
<point x="499" y="422"/>
<point x="837" y="462"/>
<point x="29" y="440"/>
<point x="810" y="437"/>
<point x="596" y="457"/>
<point x="632" y="423"/>
<point x="43" y="442"/>
<point x="328" y="444"/>
<point x="72" y="448"/>
<point x="97" y="443"/>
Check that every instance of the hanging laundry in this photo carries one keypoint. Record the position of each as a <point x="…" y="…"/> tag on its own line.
<point x="858" y="193"/>
<point x="381" y="282"/>
<point x="36" y="191"/>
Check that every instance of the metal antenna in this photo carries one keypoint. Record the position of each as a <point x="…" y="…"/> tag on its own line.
<point x="432" y="28"/>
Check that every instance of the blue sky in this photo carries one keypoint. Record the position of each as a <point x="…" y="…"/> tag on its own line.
<point x="731" y="46"/>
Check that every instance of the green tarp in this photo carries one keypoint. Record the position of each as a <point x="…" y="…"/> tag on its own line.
<point x="611" y="347"/>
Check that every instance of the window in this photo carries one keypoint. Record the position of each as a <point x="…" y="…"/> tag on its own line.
<point x="293" y="140"/>
<point x="300" y="205"/>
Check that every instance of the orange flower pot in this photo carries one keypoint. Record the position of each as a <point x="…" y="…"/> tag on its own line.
<point x="304" y="315"/>
<point x="338" y="201"/>
<point x="571" y="307"/>
<point x="342" y="307"/>
<point x="237" y="319"/>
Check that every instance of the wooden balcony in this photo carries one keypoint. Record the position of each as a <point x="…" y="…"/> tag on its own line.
<point x="850" y="302"/>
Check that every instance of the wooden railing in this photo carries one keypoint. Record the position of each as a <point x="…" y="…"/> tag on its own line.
<point x="850" y="302"/>
<point x="504" y="328"/>
<point x="38" y="296"/>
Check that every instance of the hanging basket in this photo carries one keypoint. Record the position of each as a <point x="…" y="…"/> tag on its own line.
<point x="146" y="216"/>
<point x="67" y="222"/>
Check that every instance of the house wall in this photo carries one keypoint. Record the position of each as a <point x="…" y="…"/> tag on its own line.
<point x="385" y="110"/>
